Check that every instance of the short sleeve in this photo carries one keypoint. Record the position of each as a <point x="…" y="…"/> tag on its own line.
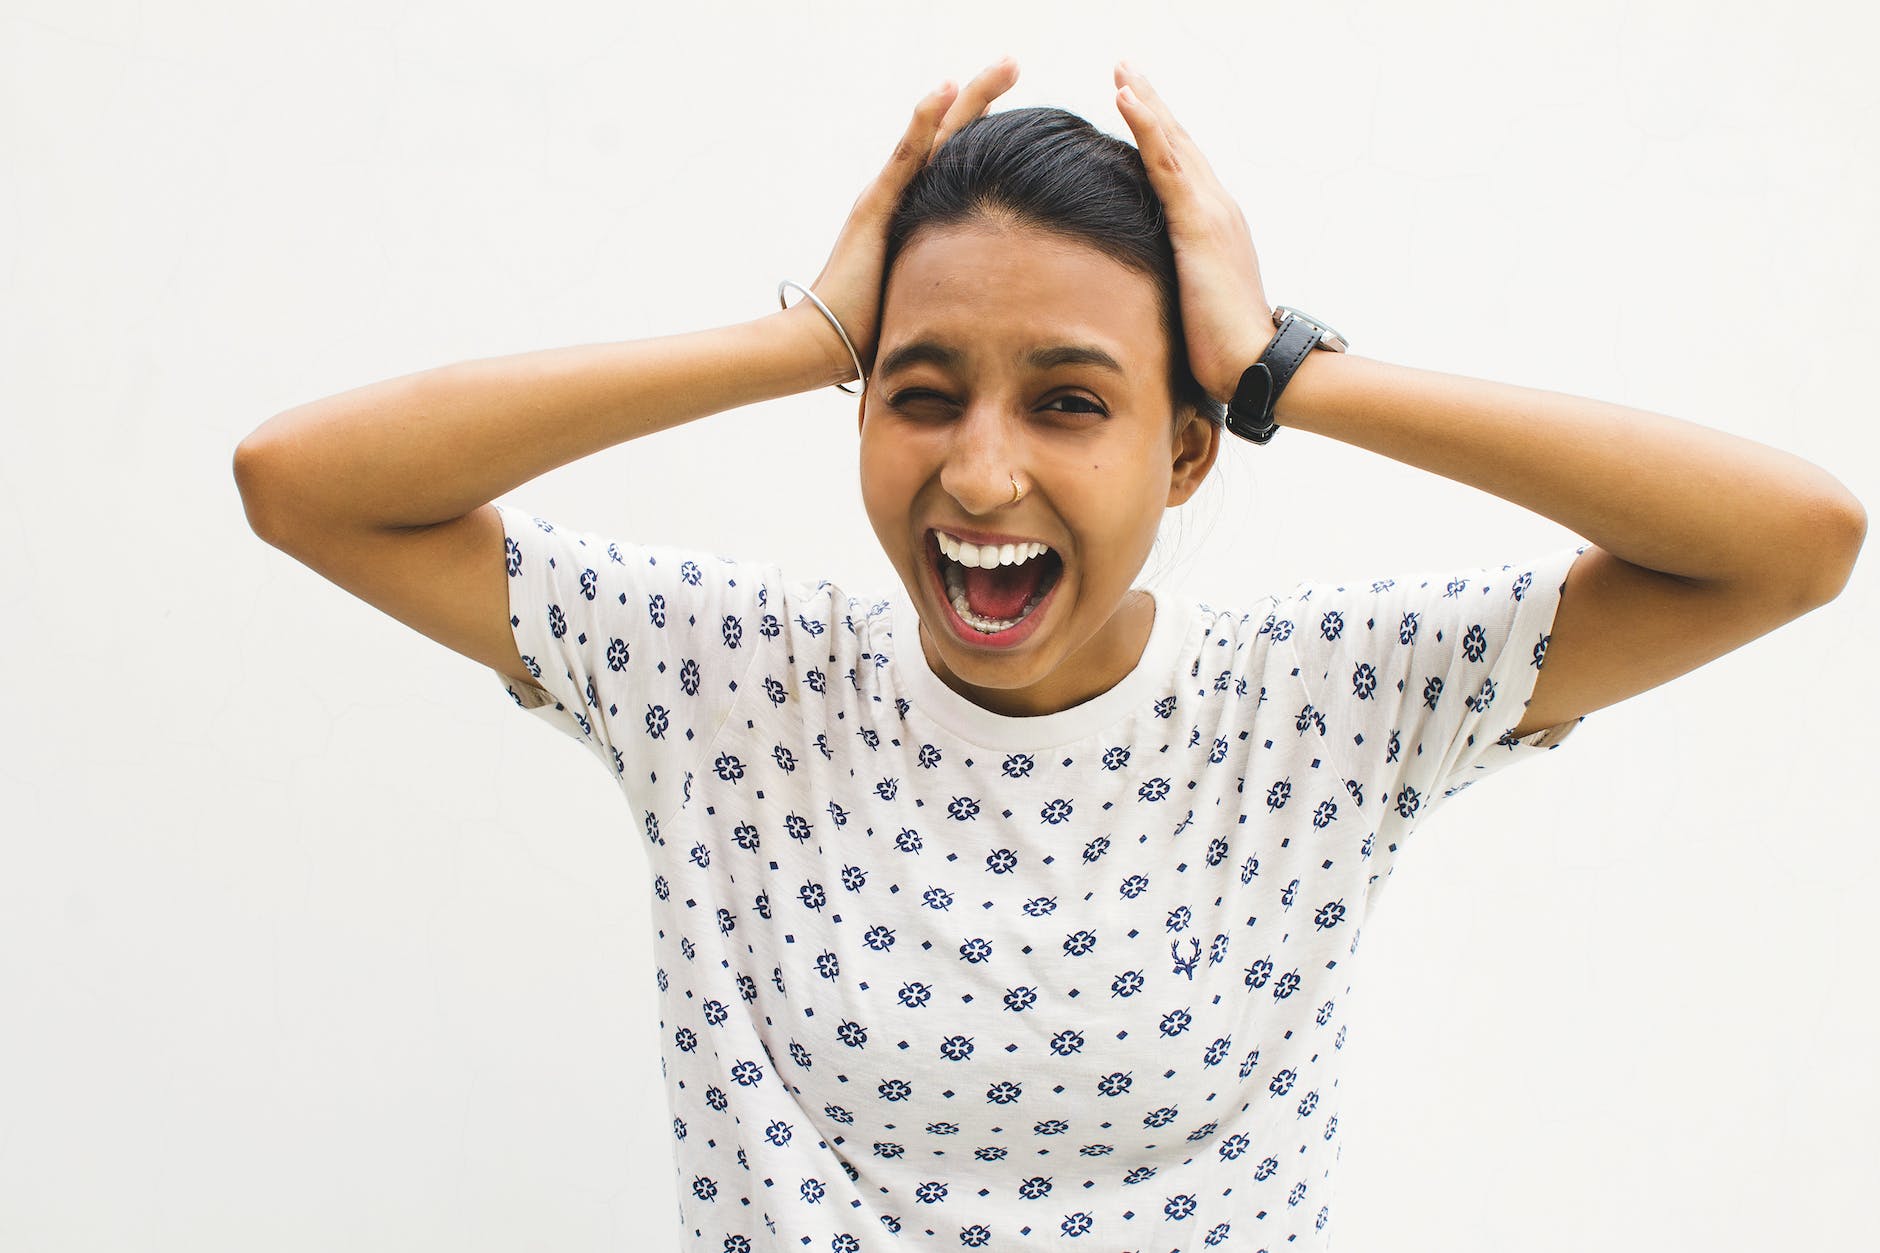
<point x="1419" y="681"/>
<point x="641" y="649"/>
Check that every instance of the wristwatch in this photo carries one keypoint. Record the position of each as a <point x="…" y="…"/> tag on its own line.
<point x="1250" y="412"/>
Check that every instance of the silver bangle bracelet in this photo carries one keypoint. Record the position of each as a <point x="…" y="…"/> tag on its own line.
<point x="832" y="321"/>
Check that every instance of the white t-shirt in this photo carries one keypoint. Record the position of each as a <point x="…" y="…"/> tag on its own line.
<point x="937" y="978"/>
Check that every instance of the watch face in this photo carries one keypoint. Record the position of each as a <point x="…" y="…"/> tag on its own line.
<point x="1328" y="338"/>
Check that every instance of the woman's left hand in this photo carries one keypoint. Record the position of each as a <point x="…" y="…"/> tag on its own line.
<point x="1225" y="316"/>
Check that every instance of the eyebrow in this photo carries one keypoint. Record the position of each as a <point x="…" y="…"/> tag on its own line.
<point x="933" y="352"/>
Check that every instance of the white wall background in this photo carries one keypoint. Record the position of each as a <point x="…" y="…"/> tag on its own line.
<point x="309" y="939"/>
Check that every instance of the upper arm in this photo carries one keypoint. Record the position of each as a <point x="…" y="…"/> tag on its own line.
<point x="1621" y="629"/>
<point x="449" y="581"/>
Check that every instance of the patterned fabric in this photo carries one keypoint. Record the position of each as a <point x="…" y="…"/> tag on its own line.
<point x="936" y="978"/>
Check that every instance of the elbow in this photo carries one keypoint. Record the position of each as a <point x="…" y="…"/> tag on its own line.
<point x="1840" y="523"/>
<point x="246" y="467"/>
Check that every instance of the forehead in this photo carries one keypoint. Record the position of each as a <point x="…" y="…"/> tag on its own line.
<point x="985" y="296"/>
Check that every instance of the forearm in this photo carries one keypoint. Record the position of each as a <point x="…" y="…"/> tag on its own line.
<point x="430" y="447"/>
<point x="1662" y="493"/>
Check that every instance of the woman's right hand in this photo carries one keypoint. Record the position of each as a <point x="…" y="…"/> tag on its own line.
<point x="850" y="282"/>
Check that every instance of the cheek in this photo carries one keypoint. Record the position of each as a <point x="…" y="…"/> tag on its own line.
<point x="887" y="493"/>
<point x="872" y="464"/>
<point x="1119" y="501"/>
<point x="888" y="457"/>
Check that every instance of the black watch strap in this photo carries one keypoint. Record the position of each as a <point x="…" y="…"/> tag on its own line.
<point x="1250" y="412"/>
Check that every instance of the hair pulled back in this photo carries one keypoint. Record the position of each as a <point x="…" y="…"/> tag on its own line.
<point x="1049" y="169"/>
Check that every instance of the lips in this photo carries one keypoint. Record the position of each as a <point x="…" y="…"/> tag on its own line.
<point x="1012" y="636"/>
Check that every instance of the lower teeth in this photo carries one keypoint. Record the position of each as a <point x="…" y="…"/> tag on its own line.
<point x="956" y="592"/>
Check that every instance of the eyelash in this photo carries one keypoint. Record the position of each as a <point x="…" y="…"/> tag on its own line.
<point x="1095" y="411"/>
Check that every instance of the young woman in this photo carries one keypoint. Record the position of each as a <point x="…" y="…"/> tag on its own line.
<point x="1015" y="909"/>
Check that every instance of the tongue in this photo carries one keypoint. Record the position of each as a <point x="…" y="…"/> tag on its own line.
<point x="1003" y="591"/>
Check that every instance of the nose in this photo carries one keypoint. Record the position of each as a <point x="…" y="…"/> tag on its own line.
<point x="985" y="456"/>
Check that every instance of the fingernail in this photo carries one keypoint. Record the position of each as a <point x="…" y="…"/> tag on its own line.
<point x="1128" y="68"/>
<point x="1130" y="95"/>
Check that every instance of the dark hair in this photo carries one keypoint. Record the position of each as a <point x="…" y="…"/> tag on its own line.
<point x="1051" y="170"/>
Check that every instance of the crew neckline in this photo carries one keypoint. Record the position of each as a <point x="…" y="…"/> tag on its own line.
<point x="979" y="725"/>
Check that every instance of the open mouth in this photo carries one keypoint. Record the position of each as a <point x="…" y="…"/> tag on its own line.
<point x="998" y="605"/>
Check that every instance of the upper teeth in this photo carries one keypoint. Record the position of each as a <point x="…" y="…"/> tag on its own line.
<point x="981" y="556"/>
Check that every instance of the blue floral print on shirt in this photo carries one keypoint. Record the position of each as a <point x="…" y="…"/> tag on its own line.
<point x="935" y="978"/>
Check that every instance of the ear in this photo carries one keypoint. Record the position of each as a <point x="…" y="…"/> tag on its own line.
<point x="1197" y="443"/>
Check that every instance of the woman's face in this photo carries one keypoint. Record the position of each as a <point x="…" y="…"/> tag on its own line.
<point x="955" y="410"/>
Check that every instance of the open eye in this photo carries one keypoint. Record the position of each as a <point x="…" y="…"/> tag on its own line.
<point x="1095" y="408"/>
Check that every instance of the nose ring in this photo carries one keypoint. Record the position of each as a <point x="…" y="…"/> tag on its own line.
<point x="1015" y="491"/>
